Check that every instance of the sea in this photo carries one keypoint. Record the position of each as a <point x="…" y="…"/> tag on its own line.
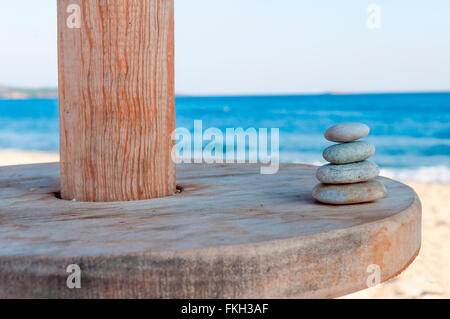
<point x="410" y="131"/>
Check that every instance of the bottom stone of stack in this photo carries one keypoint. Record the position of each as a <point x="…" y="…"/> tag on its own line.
<point x="350" y="194"/>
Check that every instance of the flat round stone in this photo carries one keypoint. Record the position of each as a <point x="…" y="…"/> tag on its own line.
<point x="347" y="132"/>
<point x="348" y="173"/>
<point x="349" y="152"/>
<point x="349" y="194"/>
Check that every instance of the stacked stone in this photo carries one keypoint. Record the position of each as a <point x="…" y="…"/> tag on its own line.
<point x="349" y="178"/>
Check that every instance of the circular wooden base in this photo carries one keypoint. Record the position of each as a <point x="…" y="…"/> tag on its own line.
<point x="231" y="233"/>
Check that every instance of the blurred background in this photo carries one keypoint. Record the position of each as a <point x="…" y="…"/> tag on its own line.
<point x="300" y="66"/>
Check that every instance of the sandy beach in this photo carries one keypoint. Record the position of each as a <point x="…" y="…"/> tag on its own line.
<point x="427" y="277"/>
<point x="22" y="158"/>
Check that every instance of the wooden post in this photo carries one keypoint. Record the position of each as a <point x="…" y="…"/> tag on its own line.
<point x="116" y="91"/>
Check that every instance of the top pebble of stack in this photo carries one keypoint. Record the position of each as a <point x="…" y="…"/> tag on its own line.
<point x="347" y="132"/>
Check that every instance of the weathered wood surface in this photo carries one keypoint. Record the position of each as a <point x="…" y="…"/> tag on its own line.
<point x="116" y="91"/>
<point x="232" y="233"/>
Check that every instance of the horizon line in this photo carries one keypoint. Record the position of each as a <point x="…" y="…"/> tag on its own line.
<point x="334" y="93"/>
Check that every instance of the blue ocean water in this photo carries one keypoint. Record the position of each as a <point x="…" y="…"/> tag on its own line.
<point x="411" y="131"/>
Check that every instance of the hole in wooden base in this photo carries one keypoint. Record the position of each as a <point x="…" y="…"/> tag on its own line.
<point x="179" y="190"/>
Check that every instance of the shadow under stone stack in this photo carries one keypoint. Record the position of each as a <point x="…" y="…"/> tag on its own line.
<point x="349" y="178"/>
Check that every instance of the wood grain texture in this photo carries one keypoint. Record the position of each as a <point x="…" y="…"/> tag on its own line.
<point x="232" y="233"/>
<point x="116" y="91"/>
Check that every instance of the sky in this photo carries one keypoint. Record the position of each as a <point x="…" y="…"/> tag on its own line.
<point x="265" y="46"/>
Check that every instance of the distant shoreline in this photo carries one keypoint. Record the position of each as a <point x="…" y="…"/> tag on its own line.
<point x="12" y="93"/>
<point x="22" y="93"/>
